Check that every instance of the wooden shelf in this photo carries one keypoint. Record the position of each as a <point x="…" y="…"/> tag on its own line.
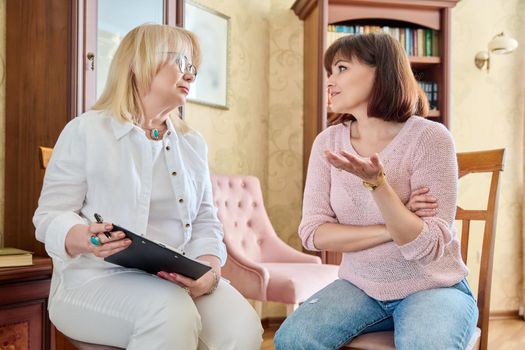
<point x="418" y="61"/>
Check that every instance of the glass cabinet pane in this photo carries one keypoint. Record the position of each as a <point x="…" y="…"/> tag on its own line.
<point x="115" y="18"/>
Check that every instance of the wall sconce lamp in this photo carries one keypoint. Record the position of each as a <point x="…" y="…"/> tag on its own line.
<point x="499" y="45"/>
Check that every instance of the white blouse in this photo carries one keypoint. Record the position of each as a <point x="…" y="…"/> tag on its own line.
<point x="102" y="165"/>
<point x="163" y="221"/>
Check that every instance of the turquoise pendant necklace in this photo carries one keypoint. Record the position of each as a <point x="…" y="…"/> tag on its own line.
<point x="155" y="133"/>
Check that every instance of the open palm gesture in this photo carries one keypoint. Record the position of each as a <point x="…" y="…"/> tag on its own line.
<point x="366" y="169"/>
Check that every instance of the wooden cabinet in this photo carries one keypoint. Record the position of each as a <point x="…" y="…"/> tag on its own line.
<point x="24" y="323"/>
<point x="49" y="81"/>
<point x="39" y="102"/>
<point x="433" y="16"/>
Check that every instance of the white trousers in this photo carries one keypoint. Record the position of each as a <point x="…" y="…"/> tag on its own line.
<point x="138" y="311"/>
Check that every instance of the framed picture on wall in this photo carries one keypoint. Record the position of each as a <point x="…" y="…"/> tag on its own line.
<point x="212" y="29"/>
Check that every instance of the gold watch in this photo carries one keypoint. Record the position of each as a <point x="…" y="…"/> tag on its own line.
<point x="380" y="180"/>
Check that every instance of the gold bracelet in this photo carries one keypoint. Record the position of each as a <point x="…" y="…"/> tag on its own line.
<point x="215" y="283"/>
<point x="380" y="180"/>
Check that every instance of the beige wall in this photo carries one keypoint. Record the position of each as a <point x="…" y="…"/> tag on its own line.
<point x="261" y="133"/>
<point x="238" y="137"/>
<point x="285" y="125"/>
<point x="487" y="113"/>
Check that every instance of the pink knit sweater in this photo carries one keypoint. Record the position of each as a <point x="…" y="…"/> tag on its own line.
<point x="421" y="155"/>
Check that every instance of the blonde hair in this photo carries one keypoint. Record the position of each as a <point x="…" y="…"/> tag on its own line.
<point x="140" y="55"/>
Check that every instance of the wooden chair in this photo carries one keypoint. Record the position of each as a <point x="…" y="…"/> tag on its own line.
<point x="45" y="155"/>
<point x="468" y="163"/>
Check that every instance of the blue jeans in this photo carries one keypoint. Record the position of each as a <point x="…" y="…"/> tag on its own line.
<point x="441" y="318"/>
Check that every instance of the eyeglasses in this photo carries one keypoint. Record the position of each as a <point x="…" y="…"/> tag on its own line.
<point x="185" y="66"/>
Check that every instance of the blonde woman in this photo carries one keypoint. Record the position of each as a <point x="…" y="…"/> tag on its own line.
<point x="134" y="161"/>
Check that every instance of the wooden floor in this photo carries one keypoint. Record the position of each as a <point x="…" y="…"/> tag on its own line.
<point x="503" y="335"/>
<point x="507" y="335"/>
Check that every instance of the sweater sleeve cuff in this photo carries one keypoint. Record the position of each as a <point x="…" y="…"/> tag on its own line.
<point x="412" y="250"/>
<point x="309" y="242"/>
<point x="56" y="235"/>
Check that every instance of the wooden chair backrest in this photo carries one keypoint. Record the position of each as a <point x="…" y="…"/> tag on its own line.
<point x="45" y="154"/>
<point x="482" y="162"/>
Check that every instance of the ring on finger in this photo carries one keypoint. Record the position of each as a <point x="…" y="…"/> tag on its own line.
<point x="95" y="240"/>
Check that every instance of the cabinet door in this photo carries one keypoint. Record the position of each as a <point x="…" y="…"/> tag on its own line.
<point x="105" y="23"/>
<point x="22" y="327"/>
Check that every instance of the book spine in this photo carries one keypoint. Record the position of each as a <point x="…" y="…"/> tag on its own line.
<point x="414" y="40"/>
<point x="408" y="44"/>
<point x="435" y="43"/>
<point x="416" y="43"/>
<point x="420" y="42"/>
<point x="402" y="38"/>
<point x="435" y="94"/>
<point x="428" y="43"/>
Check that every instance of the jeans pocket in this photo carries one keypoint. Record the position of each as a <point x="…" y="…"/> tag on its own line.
<point x="464" y="287"/>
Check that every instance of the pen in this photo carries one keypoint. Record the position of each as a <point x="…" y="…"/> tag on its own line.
<point x="100" y="221"/>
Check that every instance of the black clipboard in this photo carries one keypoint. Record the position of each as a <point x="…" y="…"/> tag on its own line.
<point x="151" y="256"/>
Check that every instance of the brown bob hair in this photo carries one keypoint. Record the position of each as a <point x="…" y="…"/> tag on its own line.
<point x="395" y="95"/>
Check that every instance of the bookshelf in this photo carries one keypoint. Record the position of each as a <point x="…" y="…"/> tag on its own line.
<point x="423" y="28"/>
<point x="420" y="44"/>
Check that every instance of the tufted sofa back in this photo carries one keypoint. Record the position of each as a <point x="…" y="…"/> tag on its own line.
<point x="247" y="228"/>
